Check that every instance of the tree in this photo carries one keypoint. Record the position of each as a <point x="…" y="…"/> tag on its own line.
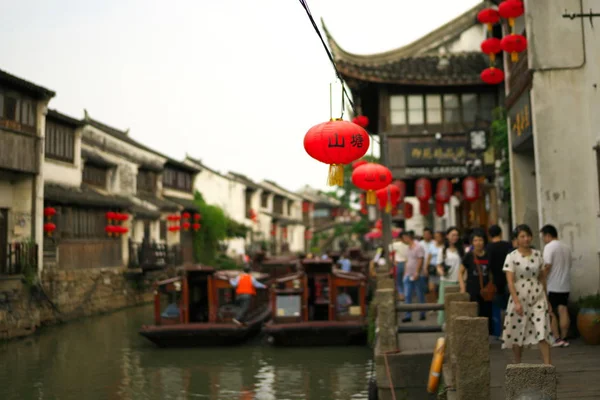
<point x="499" y="129"/>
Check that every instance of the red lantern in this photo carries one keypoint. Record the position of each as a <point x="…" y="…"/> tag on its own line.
<point x="109" y="229"/>
<point x="514" y="44"/>
<point x="49" y="227"/>
<point x="443" y="191"/>
<point x="379" y="224"/>
<point x="305" y="206"/>
<point x="174" y="228"/>
<point x="358" y="163"/>
<point x="123" y="217"/>
<point x="274" y="230"/>
<point x="361" y="121"/>
<point x="511" y="9"/>
<point x="423" y="189"/>
<point x="110" y="216"/>
<point x="307" y="234"/>
<point x="364" y="211"/>
<point x="470" y="188"/>
<point x="391" y="193"/>
<point x="196" y="226"/>
<point x="336" y="143"/>
<point x="491" y="47"/>
<point x="198" y="216"/>
<point x="439" y="209"/>
<point x="489" y="16"/>
<point x="122" y="230"/>
<point x="408" y="210"/>
<point x="186" y="215"/>
<point x="173" y="218"/>
<point x="49" y="212"/>
<point x="284" y="232"/>
<point x="424" y="208"/>
<point x="371" y="177"/>
<point x="186" y="225"/>
<point x="492" y="76"/>
<point x="402" y="186"/>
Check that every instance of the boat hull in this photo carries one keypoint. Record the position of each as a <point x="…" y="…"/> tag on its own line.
<point x="203" y="334"/>
<point x="317" y="333"/>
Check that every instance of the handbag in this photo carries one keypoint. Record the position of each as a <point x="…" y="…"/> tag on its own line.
<point x="489" y="291"/>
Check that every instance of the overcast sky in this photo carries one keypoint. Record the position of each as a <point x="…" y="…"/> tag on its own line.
<point x="235" y="83"/>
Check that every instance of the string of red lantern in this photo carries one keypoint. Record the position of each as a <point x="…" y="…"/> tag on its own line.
<point x="491" y="47"/>
<point x="361" y="120"/>
<point x="443" y="191"/>
<point x="513" y="43"/>
<point x="408" y="210"/>
<point x="424" y="207"/>
<point x="470" y="189"/>
<point x="439" y="209"/>
<point x="371" y="177"/>
<point x="49" y="227"/>
<point x="336" y="143"/>
<point x="388" y="197"/>
<point x="402" y="187"/>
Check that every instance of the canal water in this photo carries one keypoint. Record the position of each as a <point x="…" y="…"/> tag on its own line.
<point x="104" y="358"/>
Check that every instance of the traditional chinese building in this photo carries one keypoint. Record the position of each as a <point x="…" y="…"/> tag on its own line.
<point x="552" y="102"/>
<point x="429" y="99"/>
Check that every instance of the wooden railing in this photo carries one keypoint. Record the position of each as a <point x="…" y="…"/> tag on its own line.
<point x="89" y="253"/>
<point x="147" y="255"/>
<point x="20" y="257"/>
<point x="18" y="151"/>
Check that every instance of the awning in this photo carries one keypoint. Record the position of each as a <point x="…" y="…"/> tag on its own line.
<point x="85" y="196"/>
<point x="185" y="203"/>
<point x="93" y="158"/>
<point x="162" y="204"/>
<point x="144" y="213"/>
<point x="279" y="218"/>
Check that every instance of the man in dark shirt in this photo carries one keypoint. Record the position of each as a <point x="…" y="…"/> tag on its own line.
<point x="497" y="250"/>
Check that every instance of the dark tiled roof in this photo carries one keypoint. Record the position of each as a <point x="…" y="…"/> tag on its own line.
<point x="183" y="166"/>
<point x="26" y="86"/>
<point x="185" y="203"/>
<point x="284" y="219"/>
<point x="245" y="180"/>
<point x="54" y="115"/>
<point x="419" y="62"/>
<point x="93" y="158"/>
<point x="282" y="188"/>
<point x="452" y="69"/>
<point x="143" y="212"/>
<point x="85" y="196"/>
<point x="162" y="204"/>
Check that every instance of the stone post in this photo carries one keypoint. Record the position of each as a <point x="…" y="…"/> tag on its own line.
<point x="472" y="358"/>
<point x="530" y="381"/>
<point x="448" y="299"/>
<point x="386" y="324"/>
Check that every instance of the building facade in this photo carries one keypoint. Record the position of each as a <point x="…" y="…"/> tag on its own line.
<point x="429" y="100"/>
<point x="552" y="101"/>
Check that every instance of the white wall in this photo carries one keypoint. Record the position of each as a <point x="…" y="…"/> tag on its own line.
<point x="469" y="40"/>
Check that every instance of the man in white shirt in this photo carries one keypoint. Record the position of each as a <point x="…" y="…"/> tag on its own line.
<point x="557" y="260"/>
<point x="399" y="248"/>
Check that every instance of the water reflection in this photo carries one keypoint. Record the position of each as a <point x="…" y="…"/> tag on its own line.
<point x="103" y="358"/>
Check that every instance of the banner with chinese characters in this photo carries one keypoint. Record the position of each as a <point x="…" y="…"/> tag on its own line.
<point x="521" y="127"/>
<point x="430" y="153"/>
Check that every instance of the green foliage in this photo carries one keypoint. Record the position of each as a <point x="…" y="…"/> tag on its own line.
<point x="499" y="130"/>
<point x="216" y="227"/>
<point x="27" y="262"/>
<point x="224" y="262"/>
<point x="371" y="315"/>
<point x="590" y="301"/>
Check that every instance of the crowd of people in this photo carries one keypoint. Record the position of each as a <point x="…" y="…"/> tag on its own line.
<point x="521" y="290"/>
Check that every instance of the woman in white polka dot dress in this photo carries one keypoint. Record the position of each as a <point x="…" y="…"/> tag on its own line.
<point x="527" y="320"/>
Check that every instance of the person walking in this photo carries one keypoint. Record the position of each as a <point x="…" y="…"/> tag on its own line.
<point x="497" y="251"/>
<point x="476" y="267"/>
<point x="399" y="248"/>
<point x="527" y="321"/>
<point x="415" y="256"/>
<point x="426" y="242"/>
<point x="557" y="260"/>
<point x="431" y="260"/>
<point x="449" y="262"/>
<point x="245" y="288"/>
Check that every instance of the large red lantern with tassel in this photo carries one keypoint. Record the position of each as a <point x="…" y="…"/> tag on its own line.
<point x="511" y="9"/>
<point x="443" y="190"/>
<point x="470" y="188"/>
<point x="361" y="120"/>
<point x="402" y="186"/>
<point x="491" y="47"/>
<point x="358" y="163"/>
<point x="439" y="209"/>
<point x="49" y="212"/>
<point x="424" y="207"/>
<point x="388" y="197"/>
<point x="514" y="44"/>
<point x="492" y="76"/>
<point x="49" y="227"/>
<point x="423" y="189"/>
<point x="371" y="177"/>
<point x="336" y="143"/>
<point x="489" y="16"/>
<point x="408" y="210"/>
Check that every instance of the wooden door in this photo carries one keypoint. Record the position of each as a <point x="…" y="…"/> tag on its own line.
<point x="187" y="246"/>
<point x="3" y="239"/>
<point x="146" y="231"/>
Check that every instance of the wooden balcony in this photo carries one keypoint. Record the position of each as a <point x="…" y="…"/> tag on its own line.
<point x="89" y="253"/>
<point x="153" y="256"/>
<point x="21" y="258"/>
<point x="19" y="151"/>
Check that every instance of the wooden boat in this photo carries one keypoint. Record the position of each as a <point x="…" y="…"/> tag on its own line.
<point x="319" y="305"/>
<point x="197" y="307"/>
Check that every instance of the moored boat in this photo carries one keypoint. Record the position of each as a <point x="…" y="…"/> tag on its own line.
<point x="197" y="308"/>
<point x="320" y="305"/>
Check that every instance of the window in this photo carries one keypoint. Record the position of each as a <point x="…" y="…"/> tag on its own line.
<point x="79" y="223"/>
<point x="94" y="175"/>
<point x="451" y="109"/>
<point x="398" y="110"/>
<point x="18" y="109"/>
<point x="264" y="200"/>
<point x="434" y="108"/>
<point x="163" y="229"/>
<point x="487" y="104"/>
<point x="10" y="108"/>
<point x="347" y="301"/>
<point x="146" y="181"/>
<point x="27" y="112"/>
<point x="289" y="306"/>
<point x="179" y="180"/>
<point x="60" y="142"/>
<point x="469" y="107"/>
<point x="415" y="110"/>
<point x="321" y="213"/>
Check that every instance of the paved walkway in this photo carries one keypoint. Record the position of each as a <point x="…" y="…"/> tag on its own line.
<point x="578" y="366"/>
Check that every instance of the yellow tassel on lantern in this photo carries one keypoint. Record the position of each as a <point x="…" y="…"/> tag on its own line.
<point x="336" y="175"/>
<point x="388" y="208"/>
<point x="514" y="56"/>
<point x="511" y="22"/>
<point x="492" y="59"/>
<point x="490" y="27"/>
<point x="49" y="233"/>
<point x="371" y="197"/>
